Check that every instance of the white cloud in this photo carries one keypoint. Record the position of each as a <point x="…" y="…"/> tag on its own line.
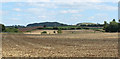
<point x="88" y="6"/>
<point x="38" y="0"/>
<point x="61" y="1"/>
<point x="24" y="0"/>
<point x="18" y="15"/>
<point x="14" y="19"/>
<point x="105" y="7"/>
<point x="35" y="10"/>
<point x="1" y="16"/>
<point x="0" y="12"/>
<point x="74" y="1"/>
<point x="47" y="5"/>
<point x="3" y="12"/>
<point x="41" y="16"/>
<point x="40" y="11"/>
<point x="74" y="4"/>
<point x="70" y="11"/>
<point x="100" y="18"/>
<point x="17" y="9"/>
<point x="44" y="9"/>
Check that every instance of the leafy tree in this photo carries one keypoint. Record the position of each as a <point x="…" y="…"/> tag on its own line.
<point x="113" y="20"/>
<point x="105" y="25"/>
<point x="112" y="27"/>
<point x="16" y="26"/>
<point x="2" y="28"/>
<point x="119" y="25"/>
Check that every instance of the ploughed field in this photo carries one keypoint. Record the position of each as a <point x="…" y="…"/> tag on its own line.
<point x="60" y="45"/>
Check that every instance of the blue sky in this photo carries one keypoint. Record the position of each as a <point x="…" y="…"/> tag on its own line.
<point x="64" y="11"/>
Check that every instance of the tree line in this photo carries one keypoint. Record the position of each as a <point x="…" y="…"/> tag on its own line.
<point x="113" y="26"/>
<point x="8" y="29"/>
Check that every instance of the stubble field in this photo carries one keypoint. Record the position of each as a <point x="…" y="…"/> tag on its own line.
<point x="60" y="45"/>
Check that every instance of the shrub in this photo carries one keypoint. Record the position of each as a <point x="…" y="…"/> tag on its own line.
<point x="13" y="30"/>
<point x="55" y="28"/>
<point x="44" y="32"/>
<point x="59" y="31"/>
<point x="28" y="31"/>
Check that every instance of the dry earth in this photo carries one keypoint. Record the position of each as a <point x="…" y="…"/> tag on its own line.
<point x="60" y="45"/>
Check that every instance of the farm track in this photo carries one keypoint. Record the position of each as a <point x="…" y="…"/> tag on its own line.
<point x="24" y="45"/>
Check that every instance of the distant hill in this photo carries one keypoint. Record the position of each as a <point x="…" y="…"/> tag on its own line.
<point x="48" y="24"/>
<point x="89" y="25"/>
<point x="86" y="24"/>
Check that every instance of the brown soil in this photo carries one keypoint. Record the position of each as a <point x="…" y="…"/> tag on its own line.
<point x="60" y="45"/>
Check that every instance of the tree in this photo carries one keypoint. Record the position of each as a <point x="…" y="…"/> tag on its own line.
<point x="119" y="20"/>
<point x="114" y="20"/>
<point x="2" y="28"/>
<point x="119" y="25"/>
<point x="44" y="26"/>
<point x="16" y="26"/>
<point x="105" y="25"/>
<point x="112" y="27"/>
<point x="12" y="30"/>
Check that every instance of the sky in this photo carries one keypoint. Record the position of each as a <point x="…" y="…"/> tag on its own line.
<point x="20" y="12"/>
